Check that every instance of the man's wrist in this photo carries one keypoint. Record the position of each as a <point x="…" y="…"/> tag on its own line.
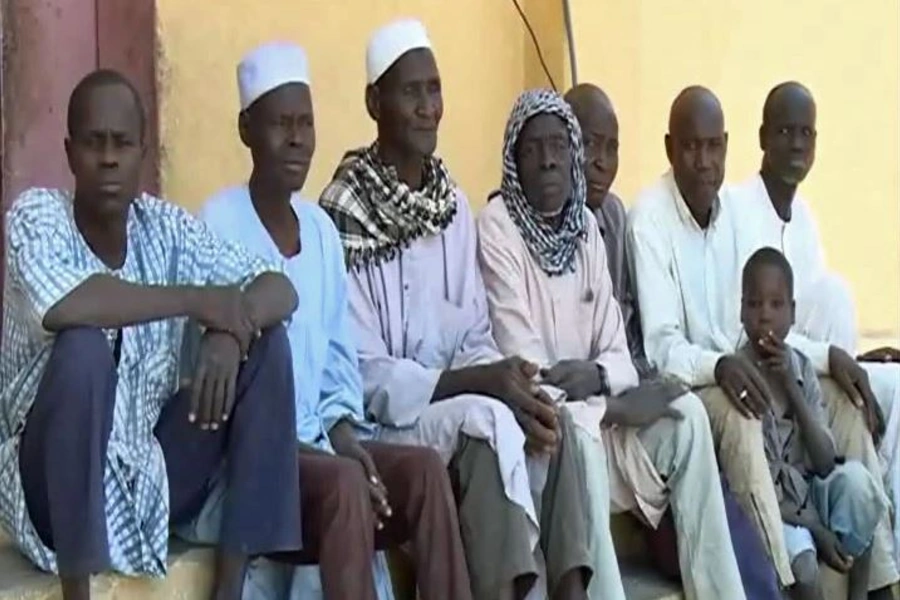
<point x="604" y="388"/>
<point x="193" y="301"/>
<point x="615" y="409"/>
<point x="718" y="367"/>
<point x="250" y="310"/>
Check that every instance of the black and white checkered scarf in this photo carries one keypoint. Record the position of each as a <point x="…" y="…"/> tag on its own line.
<point x="554" y="249"/>
<point x="376" y="214"/>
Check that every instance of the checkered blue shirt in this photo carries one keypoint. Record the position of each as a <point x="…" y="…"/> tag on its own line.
<point x="46" y="259"/>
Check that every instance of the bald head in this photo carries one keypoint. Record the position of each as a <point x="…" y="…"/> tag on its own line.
<point x="600" y="132"/>
<point x="787" y="136"/>
<point x="784" y="96"/>
<point x="693" y="104"/>
<point x="587" y="99"/>
<point x="696" y="145"/>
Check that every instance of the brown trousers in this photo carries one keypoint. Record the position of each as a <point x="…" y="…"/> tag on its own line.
<point x="339" y="523"/>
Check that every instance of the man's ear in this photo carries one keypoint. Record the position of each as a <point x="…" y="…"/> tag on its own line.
<point x="67" y="144"/>
<point x="793" y="313"/>
<point x="373" y="101"/>
<point x="243" y="124"/>
<point x="762" y="138"/>
<point x="668" y="142"/>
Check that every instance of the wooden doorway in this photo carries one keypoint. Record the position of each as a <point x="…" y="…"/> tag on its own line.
<point x="47" y="47"/>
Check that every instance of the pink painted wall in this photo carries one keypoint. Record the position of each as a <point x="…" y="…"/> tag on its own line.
<point x="47" y="47"/>
<point x="126" y="42"/>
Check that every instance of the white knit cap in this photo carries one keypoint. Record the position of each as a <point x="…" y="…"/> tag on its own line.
<point x="269" y="66"/>
<point x="391" y="42"/>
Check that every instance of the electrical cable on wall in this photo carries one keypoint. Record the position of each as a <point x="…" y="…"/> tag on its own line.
<point x="537" y="45"/>
<point x="570" y="39"/>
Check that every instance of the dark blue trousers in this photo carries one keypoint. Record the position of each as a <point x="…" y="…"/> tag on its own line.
<point x="62" y="457"/>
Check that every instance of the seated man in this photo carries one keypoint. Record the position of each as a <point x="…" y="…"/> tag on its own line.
<point x="550" y="299"/>
<point x="830" y="507"/>
<point x="600" y="133"/>
<point x="100" y="451"/>
<point x="684" y="244"/>
<point x="777" y="216"/>
<point x="356" y="495"/>
<point x="432" y="375"/>
<point x="683" y="255"/>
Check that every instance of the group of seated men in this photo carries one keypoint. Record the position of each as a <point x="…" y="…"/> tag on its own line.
<point x="382" y="369"/>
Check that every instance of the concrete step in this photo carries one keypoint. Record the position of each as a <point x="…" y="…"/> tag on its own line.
<point x="642" y="583"/>
<point x="190" y="578"/>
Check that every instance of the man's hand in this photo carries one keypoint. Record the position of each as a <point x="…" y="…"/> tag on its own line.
<point x="884" y="354"/>
<point x="224" y="308"/>
<point x="645" y="404"/>
<point x="579" y="379"/>
<point x="854" y="380"/>
<point x="831" y="551"/>
<point x="744" y="386"/>
<point x="512" y="382"/>
<point x="215" y="379"/>
<point x="345" y="444"/>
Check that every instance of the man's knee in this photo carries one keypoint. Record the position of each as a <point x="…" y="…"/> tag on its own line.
<point x="475" y="467"/>
<point x="728" y="424"/>
<point x="854" y="479"/>
<point x="275" y="337"/>
<point x="272" y="345"/>
<point x="348" y="483"/>
<point x="418" y="463"/>
<point x="428" y="462"/>
<point x="806" y="569"/>
<point x="724" y="418"/>
<point x="81" y="351"/>
<point x="692" y="411"/>
<point x="692" y="430"/>
<point x="844" y="414"/>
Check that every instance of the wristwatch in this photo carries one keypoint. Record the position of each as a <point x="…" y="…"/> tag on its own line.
<point x="604" y="381"/>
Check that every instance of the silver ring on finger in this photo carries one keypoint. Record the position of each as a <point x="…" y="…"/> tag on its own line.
<point x="743" y="395"/>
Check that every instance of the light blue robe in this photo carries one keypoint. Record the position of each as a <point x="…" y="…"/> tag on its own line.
<point x="326" y="373"/>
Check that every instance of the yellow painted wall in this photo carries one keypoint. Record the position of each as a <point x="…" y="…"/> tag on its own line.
<point x="644" y="51"/>
<point x="479" y="48"/>
<point x="641" y="51"/>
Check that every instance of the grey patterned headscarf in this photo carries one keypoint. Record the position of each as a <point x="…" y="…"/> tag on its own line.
<point x="554" y="249"/>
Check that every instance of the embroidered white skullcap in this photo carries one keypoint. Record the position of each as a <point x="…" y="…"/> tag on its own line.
<point x="269" y="66"/>
<point x="392" y="41"/>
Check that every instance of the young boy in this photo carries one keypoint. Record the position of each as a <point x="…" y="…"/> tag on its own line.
<point x="830" y="507"/>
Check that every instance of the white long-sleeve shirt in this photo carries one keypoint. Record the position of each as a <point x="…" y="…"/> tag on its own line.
<point x="688" y="281"/>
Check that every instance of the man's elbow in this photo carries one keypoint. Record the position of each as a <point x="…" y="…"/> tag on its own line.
<point x="283" y="289"/>
<point x="290" y="293"/>
<point x="60" y="316"/>
<point x="54" y="320"/>
<point x="825" y="466"/>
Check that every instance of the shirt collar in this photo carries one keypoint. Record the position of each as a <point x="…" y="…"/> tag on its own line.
<point x="681" y="207"/>
<point x="770" y="208"/>
<point x="600" y="215"/>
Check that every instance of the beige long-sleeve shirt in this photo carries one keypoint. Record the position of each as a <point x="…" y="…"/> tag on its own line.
<point x="572" y="316"/>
